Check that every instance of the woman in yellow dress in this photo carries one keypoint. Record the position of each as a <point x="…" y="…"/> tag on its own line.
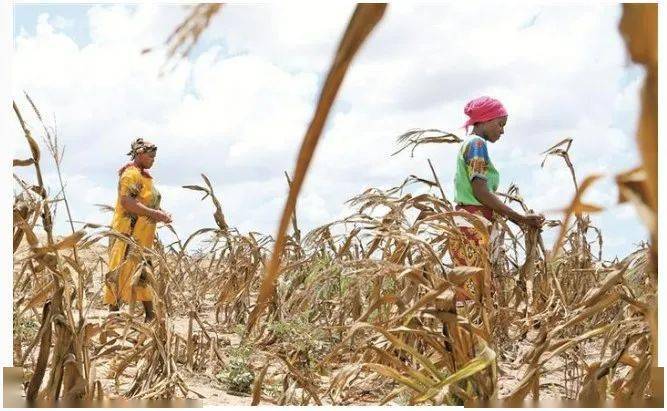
<point x="136" y="214"/>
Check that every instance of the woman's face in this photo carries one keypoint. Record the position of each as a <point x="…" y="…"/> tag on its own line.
<point x="495" y="128"/>
<point x="146" y="159"/>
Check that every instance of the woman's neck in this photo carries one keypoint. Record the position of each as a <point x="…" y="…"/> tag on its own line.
<point x="136" y="164"/>
<point x="478" y="132"/>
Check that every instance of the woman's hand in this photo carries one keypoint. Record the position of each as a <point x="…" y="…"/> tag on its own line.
<point x="161" y="216"/>
<point x="532" y="220"/>
<point x="487" y="198"/>
<point x="169" y="217"/>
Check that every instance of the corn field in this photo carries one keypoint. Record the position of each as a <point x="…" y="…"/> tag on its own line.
<point x="357" y="311"/>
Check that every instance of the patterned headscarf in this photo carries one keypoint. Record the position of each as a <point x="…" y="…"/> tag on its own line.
<point x="138" y="146"/>
<point x="141" y="146"/>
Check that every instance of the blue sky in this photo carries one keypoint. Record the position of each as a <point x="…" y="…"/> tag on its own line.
<point x="74" y="18"/>
<point x="237" y="108"/>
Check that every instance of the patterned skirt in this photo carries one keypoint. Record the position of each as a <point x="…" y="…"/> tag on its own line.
<point x="464" y="253"/>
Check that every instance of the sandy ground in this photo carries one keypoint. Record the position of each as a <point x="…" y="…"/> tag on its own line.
<point x="206" y="383"/>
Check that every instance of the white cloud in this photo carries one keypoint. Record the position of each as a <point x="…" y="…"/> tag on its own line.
<point x="239" y="106"/>
<point x="62" y="23"/>
<point x="297" y="37"/>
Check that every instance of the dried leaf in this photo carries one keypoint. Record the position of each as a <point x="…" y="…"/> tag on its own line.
<point x="23" y="163"/>
<point x="67" y="242"/>
<point x="257" y="388"/>
<point x="41" y="296"/>
<point x="364" y="19"/>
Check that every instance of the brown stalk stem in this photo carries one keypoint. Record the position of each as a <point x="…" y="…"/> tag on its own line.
<point x="295" y="226"/>
<point x="364" y="19"/>
<point x="437" y="181"/>
<point x="43" y="356"/>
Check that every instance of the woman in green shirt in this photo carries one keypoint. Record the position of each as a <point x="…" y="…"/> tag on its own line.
<point x="476" y="181"/>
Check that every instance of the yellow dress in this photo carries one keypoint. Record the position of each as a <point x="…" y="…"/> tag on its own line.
<point x="142" y="229"/>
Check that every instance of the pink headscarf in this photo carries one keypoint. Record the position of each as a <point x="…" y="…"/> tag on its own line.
<point x="483" y="109"/>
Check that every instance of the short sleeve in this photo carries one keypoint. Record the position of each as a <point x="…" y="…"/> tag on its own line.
<point x="476" y="159"/>
<point x="130" y="182"/>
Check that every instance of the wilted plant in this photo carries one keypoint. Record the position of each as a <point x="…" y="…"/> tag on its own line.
<point x="359" y="310"/>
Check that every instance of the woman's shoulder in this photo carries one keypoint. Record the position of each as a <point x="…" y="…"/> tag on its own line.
<point x="473" y="141"/>
<point x="130" y="171"/>
<point x="475" y="146"/>
<point x="477" y="140"/>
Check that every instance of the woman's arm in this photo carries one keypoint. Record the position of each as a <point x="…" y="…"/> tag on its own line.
<point x="490" y="200"/>
<point x="132" y="205"/>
